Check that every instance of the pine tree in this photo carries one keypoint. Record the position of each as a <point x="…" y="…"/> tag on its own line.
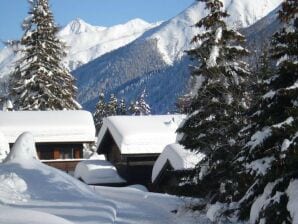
<point x="121" y="110"/>
<point x="140" y="107"/>
<point x="100" y="112"/>
<point x="216" y="111"/>
<point x="144" y="108"/>
<point x="40" y="81"/>
<point x="271" y="156"/>
<point x="133" y="108"/>
<point x="112" y="106"/>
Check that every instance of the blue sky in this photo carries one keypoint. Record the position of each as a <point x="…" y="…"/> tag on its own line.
<point x="96" y="12"/>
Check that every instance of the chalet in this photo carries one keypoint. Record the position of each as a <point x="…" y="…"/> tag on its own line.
<point x="59" y="135"/>
<point x="133" y="143"/>
<point x="174" y="160"/>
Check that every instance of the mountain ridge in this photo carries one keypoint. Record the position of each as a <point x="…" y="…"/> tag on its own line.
<point x="167" y="44"/>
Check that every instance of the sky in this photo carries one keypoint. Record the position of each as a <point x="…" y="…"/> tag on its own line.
<point x="95" y="12"/>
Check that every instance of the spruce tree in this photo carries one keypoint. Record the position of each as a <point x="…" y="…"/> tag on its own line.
<point x="271" y="155"/>
<point x="144" y="108"/>
<point x="112" y="106"/>
<point x="216" y="111"/>
<point x="100" y="112"/>
<point x="140" y="107"/>
<point x="40" y="81"/>
<point x="121" y="110"/>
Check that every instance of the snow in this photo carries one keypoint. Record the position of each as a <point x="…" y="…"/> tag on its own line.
<point x="269" y="95"/>
<point x="88" y="42"/>
<point x="136" y="206"/>
<point x="49" y="126"/>
<point x="13" y="188"/>
<point x="23" y="149"/>
<point x="178" y="157"/>
<point x="141" y="134"/>
<point x="262" y="201"/>
<point x="4" y="147"/>
<point x="282" y="59"/>
<point x="174" y="36"/>
<point x="211" y="62"/>
<point x="31" y="192"/>
<point x="294" y="86"/>
<point x="97" y="172"/>
<point x="215" y="211"/>
<point x="12" y="215"/>
<point x="259" y="137"/>
<point x="285" y="145"/>
<point x="198" y="82"/>
<point x="260" y="166"/>
<point x="288" y="121"/>
<point x="292" y="206"/>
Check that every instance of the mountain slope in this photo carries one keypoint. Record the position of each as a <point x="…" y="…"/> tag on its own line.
<point x="129" y="70"/>
<point x="89" y="42"/>
<point x="86" y="42"/>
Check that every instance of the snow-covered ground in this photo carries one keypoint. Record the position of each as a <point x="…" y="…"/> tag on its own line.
<point x="31" y="192"/>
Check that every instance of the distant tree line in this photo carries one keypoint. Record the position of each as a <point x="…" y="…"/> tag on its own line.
<point x="115" y="107"/>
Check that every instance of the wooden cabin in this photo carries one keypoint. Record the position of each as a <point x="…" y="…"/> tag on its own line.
<point x="133" y="143"/>
<point x="172" y="163"/>
<point x="59" y="135"/>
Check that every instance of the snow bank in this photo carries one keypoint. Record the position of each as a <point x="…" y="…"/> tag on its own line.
<point x="59" y="198"/>
<point x="23" y="149"/>
<point x="141" y="134"/>
<point x="11" y="215"/>
<point x="4" y="147"/>
<point x="49" y="126"/>
<point x="13" y="188"/>
<point x="97" y="172"/>
<point x="25" y="180"/>
<point x="179" y="158"/>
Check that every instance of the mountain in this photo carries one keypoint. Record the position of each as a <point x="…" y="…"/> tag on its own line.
<point x="156" y="61"/>
<point x="86" y="42"/>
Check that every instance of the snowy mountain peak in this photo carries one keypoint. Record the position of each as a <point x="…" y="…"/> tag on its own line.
<point x="174" y="36"/>
<point x="136" y="23"/>
<point x="78" y="26"/>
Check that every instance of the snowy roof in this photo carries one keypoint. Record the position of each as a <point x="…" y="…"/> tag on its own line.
<point x="141" y="134"/>
<point x="48" y="126"/>
<point x="178" y="157"/>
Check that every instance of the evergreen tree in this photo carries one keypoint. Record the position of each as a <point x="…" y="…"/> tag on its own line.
<point x="112" y="106"/>
<point x="40" y="81"/>
<point x="121" y="110"/>
<point x="133" y="108"/>
<point x="100" y="112"/>
<point x="140" y="107"/>
<point x="216" y="111"/>
<point x="271" y="156"/>
<point x="144" y="108"/>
